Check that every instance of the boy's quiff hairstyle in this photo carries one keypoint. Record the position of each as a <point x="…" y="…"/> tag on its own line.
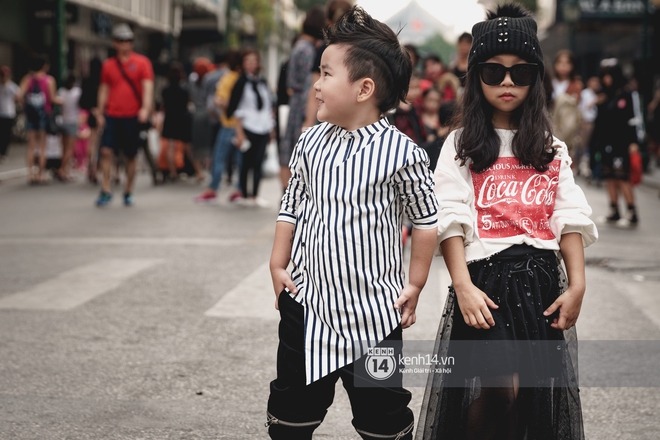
<point x="373" y="51"/>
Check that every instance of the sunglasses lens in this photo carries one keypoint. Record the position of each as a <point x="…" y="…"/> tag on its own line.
<point x="523" y="75"/>
<point x="493" y="74"/>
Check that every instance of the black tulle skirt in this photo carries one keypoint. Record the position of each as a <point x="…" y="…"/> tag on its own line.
<point x="517" y="380"/>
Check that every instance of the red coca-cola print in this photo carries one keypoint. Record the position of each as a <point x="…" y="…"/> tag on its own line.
<point x="513" y="199"/>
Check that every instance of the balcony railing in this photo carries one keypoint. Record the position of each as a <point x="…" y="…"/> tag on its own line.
<point x="155" y="14"/>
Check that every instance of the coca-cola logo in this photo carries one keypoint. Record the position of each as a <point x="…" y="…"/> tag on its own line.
<point x="514" y="199"/>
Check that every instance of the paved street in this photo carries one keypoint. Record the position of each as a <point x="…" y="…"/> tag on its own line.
<point x="157" y="321"/>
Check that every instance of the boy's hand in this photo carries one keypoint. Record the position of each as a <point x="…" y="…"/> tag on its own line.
<point x="407" y="303"/>
<point x="569" y="304"/>
<point x="474" y="305"/>
<point x="281" y="280"/>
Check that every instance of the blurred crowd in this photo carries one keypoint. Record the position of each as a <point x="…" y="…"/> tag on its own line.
<point x="219" y="121"/>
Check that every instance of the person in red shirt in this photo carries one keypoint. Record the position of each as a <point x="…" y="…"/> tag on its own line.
<point x="124" y="101"/>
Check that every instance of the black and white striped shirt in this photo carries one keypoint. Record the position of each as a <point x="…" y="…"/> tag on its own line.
<point x="347" y="196"/>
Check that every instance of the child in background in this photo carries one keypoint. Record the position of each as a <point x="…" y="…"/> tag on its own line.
<point x="508" y="207"/>
<point x="589" y="111"/>
<point x="82" y="140"/>
<point x="70" y="95"/>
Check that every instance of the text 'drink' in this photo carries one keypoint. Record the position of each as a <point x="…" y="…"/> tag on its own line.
<point x="77" y="286"/>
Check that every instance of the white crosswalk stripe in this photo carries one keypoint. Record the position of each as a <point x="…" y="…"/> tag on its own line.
<point x="252" y="298"/>
<point x="77" y="286"/>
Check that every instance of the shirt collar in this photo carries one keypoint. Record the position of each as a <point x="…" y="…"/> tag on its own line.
<point x="363" y="132"/>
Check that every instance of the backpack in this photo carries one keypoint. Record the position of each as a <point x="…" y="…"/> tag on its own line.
<point x="35" y="102"/>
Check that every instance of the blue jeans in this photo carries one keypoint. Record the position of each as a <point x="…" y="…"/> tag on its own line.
<point x="222" y="149"/>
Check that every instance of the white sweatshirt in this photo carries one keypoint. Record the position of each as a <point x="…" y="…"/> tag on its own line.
<point x="509" y="203"/>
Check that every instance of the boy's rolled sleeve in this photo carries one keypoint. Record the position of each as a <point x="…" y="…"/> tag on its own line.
<point x="572" y="211"/>
<point x="415" y="184"/>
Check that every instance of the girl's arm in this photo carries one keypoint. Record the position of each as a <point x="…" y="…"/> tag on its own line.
<point x="570" y="302"/>
<point x="421" y="253"/>
<point x="280" y="257"/>
<point x="473" y="302"/>
<point x="52" y="91"/>
<point x="22" y="87"/>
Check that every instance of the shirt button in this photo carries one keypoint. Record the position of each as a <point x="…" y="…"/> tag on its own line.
<point x="302" y="244"/>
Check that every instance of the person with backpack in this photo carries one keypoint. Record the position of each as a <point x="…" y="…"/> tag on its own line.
<point x="37" y="90"/>
<point x="124" y="102"/>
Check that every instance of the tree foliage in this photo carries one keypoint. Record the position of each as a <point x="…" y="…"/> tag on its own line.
<point x="439" y="46"/>
<point x="262" y="12"/>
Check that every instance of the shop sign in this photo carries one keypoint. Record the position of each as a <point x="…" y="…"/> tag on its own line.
<point x="613" y="9"/>
<point x="44" y="12"/>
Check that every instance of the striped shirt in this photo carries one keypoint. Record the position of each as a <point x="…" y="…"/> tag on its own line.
<point x="347" y="197"/>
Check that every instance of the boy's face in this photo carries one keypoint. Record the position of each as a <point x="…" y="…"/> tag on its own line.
<point x="335" y="93"/>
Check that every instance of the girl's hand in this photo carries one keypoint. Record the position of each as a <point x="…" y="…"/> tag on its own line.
<point x="474" y="305"/>
<point x="569" y="304"/>
<point x="407" y="304"/>
<point x="281" y="280"/>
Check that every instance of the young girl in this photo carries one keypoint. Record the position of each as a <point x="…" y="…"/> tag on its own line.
<point x="566" y="89"/>
<point x="70" y="95"/>
<point x="508" y="208"/>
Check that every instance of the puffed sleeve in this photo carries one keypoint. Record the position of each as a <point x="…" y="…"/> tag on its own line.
<point x="571" y="213"/>
<point x="295" y="190"/>
<point x="455" y="195"/>
<point x="415" y="184"/>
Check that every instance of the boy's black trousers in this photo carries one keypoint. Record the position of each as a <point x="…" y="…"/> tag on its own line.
<point x="295" y="410"/>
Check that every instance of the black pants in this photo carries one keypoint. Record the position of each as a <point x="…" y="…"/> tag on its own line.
<point x="253" y="159"/>
<point x="5" y="134"/>
<point x="295" y="410"/>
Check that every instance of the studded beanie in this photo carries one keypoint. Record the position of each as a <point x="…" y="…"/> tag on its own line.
<point x="509" y="30"/>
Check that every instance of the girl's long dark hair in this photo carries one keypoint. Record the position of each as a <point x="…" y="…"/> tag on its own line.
<point x="478" y="141"/>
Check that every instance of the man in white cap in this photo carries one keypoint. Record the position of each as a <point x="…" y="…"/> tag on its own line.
<point x="125" y="101"/>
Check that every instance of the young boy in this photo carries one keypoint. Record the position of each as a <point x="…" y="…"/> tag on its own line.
<point x="353" y="177"/>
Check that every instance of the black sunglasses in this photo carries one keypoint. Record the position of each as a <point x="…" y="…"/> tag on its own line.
<point x="492" y="74"/>
<point x="123" y="40"/>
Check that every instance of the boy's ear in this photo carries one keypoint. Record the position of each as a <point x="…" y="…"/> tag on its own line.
<point x="367" y="89"/>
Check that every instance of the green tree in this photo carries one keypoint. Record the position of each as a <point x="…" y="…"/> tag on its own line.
<point x="439" y="46"/>
<point x="262" y="13"/>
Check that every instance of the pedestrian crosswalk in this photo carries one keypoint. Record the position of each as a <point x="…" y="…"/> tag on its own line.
<point x="251" y="298"/>
<point x="77" y="286"/>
